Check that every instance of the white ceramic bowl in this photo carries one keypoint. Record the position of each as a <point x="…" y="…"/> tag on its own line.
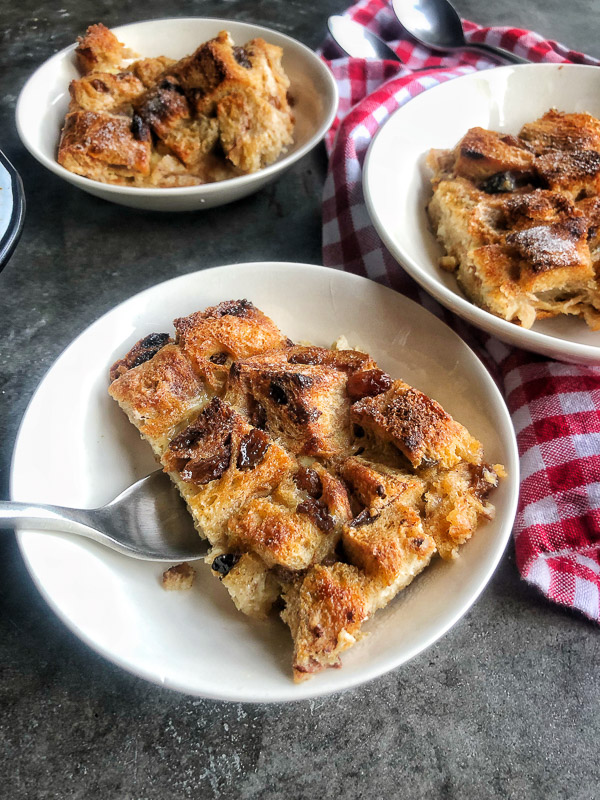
<point x="396" y="182"/>
<point x="196" y="641"/>
<point x="44" y="99"/>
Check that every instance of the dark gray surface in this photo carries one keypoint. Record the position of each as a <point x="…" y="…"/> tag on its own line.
<point x="504" y="706"/>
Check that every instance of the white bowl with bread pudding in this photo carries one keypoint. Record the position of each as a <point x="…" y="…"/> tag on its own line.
<point x="486" y="189"/>
<point x="355" y="499"/>
<point x="176" y="114"/>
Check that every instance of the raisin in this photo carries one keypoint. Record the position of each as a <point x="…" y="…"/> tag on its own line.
<point x="309" y="481"/>
<point x="253" y="447"/>
<point x="364" y="518"/>
<point x="139" y="129"/>
<point x="258" y="417"/>
<point x="474" y="155"/>
<point x="99" y="85"/>
<point x="481" y="486"/>
<point x="318" y="513"/>
<point x="358" y="431"/>
<point x="368" y="383"/>
<point x="277" y="393"/>
<point x="219" y="358"/>
<point x="206" y="470"/>
<point x="232" y="308"/>
<point x="241" y="56"/>
<point x="310" y="358"/>
<point x="141" y="352"/>
<point x="169" y="85"/>
<point x="302" y="415"/>
<point x="500" y="182"/>
<point x="224" y="563"/>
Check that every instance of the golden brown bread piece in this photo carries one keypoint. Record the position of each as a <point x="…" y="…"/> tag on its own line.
<point x="481" y="153"/>
<point x="298" y="525"/>
<point x="324" y="611"/>
<point x="252" y="586"/>
<point x="104" y="91"/>
<point x="159" y="394"/>
<point x="99" y="50"/>
<point x="557" y="130"/>
<point x="219" y="463"/>
<point x="245" y="89"/>
<point x="95" y="144"/>
<point x="221" y="334"/>
<point x="149" y="70"/>
<point x="390" y="546"/>
<point x="455" y="503"/>
<point x="509" y="213"/>
<point x="304" y="406"/>
<point x="375" y="485"/>
<point x="417" y="425"/>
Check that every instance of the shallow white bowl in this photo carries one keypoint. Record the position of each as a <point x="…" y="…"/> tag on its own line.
<point x="196" y="641"/>
<point x="397" y="188"/>
<point x="43" y="102"/>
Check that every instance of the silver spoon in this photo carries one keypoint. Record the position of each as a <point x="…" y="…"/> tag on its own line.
<point x="149" y="520"/>
<point x="357" y="41"/>
<point x="436" y="24"/>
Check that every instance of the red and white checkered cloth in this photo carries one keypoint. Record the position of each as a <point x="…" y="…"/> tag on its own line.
<point x="555" y="407"/>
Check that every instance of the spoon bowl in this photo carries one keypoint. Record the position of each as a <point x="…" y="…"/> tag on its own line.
<point x="148" y="520"/>
<point x="357" y="41"/>
<point x="437" y="25"/>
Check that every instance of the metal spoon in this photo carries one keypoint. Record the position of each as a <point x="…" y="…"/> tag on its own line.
<point x="148" y="520"/>
<point x="436" y="24"/>
<point x="357" y="41"/>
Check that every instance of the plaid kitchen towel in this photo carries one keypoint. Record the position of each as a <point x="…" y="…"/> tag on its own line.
<point x="555" y="407"/>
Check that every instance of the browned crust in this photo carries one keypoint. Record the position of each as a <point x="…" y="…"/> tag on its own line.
<point x="417" y="425"/>
<point x="98" y="49"/>
<point x="158" y="394"/>
<point x="92" y="143"/>
<point x="232" y="330"/>
<point x="325" y="614"/>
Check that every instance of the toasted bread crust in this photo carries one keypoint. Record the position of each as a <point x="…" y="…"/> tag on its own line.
<point x="417" y="425"/>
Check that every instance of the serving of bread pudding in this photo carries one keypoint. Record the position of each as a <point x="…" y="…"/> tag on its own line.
<point x="220" y="112"/>
<point x="519" y="217"/>
<point x="323" y="485"/>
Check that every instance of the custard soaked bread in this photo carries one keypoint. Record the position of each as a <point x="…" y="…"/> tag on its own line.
<point x="220" y="112"/>
<point x="321" y="484"/>
<point x="518" y="218"/>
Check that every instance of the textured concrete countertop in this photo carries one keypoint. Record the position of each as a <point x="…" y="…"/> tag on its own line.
<point x="504" y="706"/>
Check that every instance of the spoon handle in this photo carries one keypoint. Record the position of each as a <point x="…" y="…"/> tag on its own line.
<point x="498" y="52"/>
<point x="43" y="517"/>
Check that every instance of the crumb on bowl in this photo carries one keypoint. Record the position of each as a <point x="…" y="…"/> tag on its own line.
<point x="179" y="577"/>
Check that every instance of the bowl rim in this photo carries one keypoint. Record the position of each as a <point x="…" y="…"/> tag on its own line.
<point x="526" y="338"/>
<point x="11" y="236"/>
<point x="179" y="191"/>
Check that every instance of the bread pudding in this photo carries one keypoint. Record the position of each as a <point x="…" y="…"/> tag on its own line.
<point x="518" y="216"/>
<point x="323" y="485"/>
<point x="220" y="112"/>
